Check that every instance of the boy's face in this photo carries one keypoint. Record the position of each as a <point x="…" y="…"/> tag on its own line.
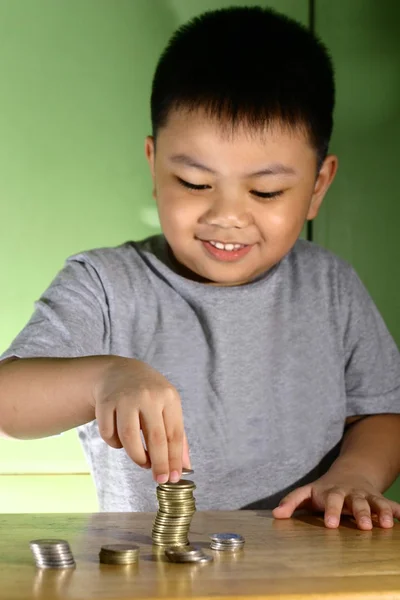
<point x="193" y="149"/>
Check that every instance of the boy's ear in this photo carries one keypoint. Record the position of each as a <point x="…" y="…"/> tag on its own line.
<point x="150" y="156"/>
<point x="325" y="177"/>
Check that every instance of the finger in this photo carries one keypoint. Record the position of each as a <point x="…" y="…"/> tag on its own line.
<point x="153" y="428"/>
<point x="148" y="464"/>
<point x="293" y="500"/>
<point x="383" y="510"/>
<point x="395" y="509"/>
<point x="173" y="422"/>
<point x="106" y="422"/>
<point x="128" y="426"/>
<point x="333" y="508"/>
<point x="186" y="452"/>
<point x="361" y="510"/>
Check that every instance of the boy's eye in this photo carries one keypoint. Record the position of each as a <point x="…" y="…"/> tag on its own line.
<point x="193" y="186"/>
<point x="267" y="194"/>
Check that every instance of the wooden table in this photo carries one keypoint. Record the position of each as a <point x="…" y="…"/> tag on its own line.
<point x="295" y="558"/>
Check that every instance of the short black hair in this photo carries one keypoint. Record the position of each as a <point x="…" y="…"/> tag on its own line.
<point x="248" y="65"/>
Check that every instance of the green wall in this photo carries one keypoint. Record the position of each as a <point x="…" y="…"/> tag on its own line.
<point x="74" y="112"/>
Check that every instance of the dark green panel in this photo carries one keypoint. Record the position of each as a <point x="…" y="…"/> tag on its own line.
<point x="360" y="218"/>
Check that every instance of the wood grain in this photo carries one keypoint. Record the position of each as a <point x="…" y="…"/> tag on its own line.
<point x="291" y="559"/>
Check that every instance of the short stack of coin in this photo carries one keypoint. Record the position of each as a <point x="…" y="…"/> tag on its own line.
<point x="119" y="554"/>
<point x="52" y="554"/>
<point x="176" y="509"/>
<point x="187" y="554"/>
<point x="226" y="541"/>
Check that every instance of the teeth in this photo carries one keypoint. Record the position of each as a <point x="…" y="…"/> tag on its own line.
<point x="228" y="247"/>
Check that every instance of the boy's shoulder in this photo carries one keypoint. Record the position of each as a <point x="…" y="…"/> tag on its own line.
<point x="317" y="261"/>
<point x="129" y="253"/>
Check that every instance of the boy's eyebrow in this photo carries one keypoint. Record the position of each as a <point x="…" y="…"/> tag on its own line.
<point x="272" y="169"/>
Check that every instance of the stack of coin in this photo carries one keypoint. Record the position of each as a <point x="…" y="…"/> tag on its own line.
<point x="226" y="541"/>
<point x="119" y="554"/>
<point x="176" y="509"/>
<point x="52" y="554"/>
<point x="187" y="554"/>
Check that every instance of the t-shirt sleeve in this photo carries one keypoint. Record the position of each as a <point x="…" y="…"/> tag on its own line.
<point x="70" y="318"/>
<point x="372" y="359"/>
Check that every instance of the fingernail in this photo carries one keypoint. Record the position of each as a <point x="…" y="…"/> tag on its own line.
<point x="332" y="521"/>
<point x="387" y="520"/>
<point x="174" y="477"/>
<point x="162" y="478"/>
<point x="365" y="521"/>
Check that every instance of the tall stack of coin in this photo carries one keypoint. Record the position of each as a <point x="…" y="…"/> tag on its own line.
<point x="176" y="509"/>
<point x="52" y="554"/>
<point x="119" y="554"/>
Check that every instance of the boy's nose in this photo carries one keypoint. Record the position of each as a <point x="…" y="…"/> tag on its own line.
<point x="229" y="212"/>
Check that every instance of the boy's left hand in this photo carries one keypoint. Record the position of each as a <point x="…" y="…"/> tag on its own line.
<point x="348" y="494"/>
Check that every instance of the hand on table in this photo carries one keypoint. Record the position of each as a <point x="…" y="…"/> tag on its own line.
<point x="349" y="495"/>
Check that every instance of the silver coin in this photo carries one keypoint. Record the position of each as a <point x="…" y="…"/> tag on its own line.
<point x="50" y="543"/>
<point x="230" y="538"/>
<point x="226" y="546"/>
<point x="205" y="559"/>
<point x="186" y="550"/>
<point x="55" y="563"/>
<point x="185" y="554"/>
<point x="71" y="566"/>
<point x="187" y="471"/>
<point x="226" y="549"/>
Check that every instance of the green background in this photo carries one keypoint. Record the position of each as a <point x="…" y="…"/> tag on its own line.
<point x="74" y="112"/>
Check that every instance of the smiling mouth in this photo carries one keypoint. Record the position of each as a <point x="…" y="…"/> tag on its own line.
<point x="226" y="255"/>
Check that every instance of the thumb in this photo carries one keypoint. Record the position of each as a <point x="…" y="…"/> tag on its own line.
<point x="185" y="452"/>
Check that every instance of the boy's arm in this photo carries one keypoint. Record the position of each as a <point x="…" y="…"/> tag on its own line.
<point x="371" y="448"/>
<point x="62" y="349"/>
<point x="40" y="397"/>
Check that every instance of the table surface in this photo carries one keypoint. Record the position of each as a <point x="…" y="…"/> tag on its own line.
<point x="293" y="558"/>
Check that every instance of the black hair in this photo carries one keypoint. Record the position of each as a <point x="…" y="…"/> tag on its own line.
<point x="247" y="65"/>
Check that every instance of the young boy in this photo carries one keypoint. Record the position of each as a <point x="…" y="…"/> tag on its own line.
<point x="226" y="334"/>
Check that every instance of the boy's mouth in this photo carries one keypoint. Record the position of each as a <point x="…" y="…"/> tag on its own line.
<point x="229" y="253"/>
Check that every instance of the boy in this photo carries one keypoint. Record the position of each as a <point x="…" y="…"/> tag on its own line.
<point x="227" y="333"/>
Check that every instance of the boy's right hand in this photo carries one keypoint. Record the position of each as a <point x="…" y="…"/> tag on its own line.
<point x="132" y="397"/>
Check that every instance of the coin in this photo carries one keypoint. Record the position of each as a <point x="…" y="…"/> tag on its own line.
<point x="119" y="554"/>
<point x="176" y="507"/>
<point x="187" y="554"/>
<point x="226" y="541"/>
<point x="182" y="484"/>
<point x="50" y="543"/>
<point x="227" y="538"/>
<point x="205" y="559"/>
<point x="52" y="554"/>
<point x="187" y="471"/>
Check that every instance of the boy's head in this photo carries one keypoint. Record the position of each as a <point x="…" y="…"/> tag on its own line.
<point x="238" y="92"/>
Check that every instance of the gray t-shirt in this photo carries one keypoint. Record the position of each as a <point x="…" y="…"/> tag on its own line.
<point x="267" y="372"/>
